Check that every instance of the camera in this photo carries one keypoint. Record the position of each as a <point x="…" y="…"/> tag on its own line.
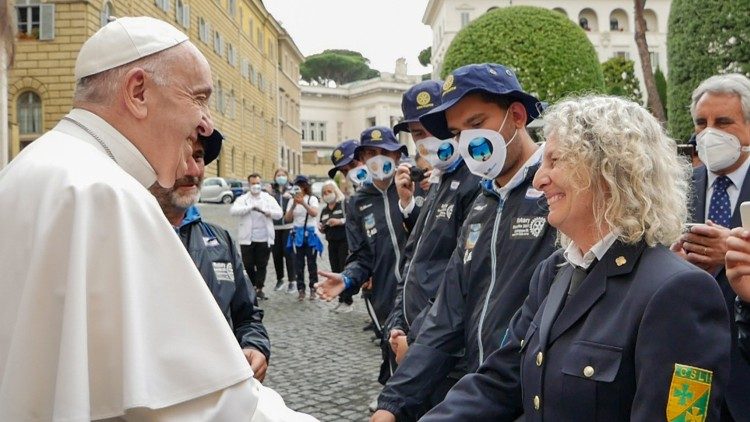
<point x="416" y="174"/>
<point x="295" y="190"/>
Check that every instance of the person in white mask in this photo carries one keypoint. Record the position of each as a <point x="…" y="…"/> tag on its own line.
<point x="257" y="210"/>
<point x="720" y="109"/>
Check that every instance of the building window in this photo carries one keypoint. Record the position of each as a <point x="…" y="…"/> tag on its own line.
<point x="654" y="56"/>
<point x="304" y="130"/>
<point x="623" y="54"/>
<point x="231" y="55"/>
<point x="464" y="19"/>
<point x="218" y="44"/>
<point x="221" y="103"/>
<point x="251" y="29"/>
<point x="322" y="130"/>
<point x="182" y="13"/>
<point x="162" y="4"/>
<point x="29" y="112"/>
<point x="203" y="30"/>
<point x="232" y="5"/>
<point x="35" y="21"/>
<point x="108" y="11"/>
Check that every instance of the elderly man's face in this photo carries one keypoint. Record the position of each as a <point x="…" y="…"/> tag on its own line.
<point x="723" y="112"/>
<point x="180" y="113"/>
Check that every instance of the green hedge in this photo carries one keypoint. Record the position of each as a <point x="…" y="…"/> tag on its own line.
<point x="620" y="79"/>
<point x="706" y="37"/>
<point x="551" y="55"/>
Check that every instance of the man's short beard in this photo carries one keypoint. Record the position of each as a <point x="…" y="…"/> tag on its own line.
<point x="184" y="201"/>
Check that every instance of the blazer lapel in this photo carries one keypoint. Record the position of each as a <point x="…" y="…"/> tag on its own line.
<point x="555" y="299"/>
<point x="698" y="204"/>
<point x="736" y="220"/>
<point x="619" y="260"/>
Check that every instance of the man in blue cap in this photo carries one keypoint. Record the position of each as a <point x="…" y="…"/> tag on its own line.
<point x="215" y="253"/>
<point x="448" y="202"/>
<point x="501" y="242"/>
<point x="376" y="232"/>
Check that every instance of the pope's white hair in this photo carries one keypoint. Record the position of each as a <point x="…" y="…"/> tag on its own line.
<point x="619" y="151"/>
<point x="100" y="88"/>
<point x="729" y="84"/>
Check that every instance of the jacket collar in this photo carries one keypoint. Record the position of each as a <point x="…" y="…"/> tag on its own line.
<point x="192" y="215"/>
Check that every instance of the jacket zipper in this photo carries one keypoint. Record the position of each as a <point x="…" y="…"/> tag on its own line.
<point x="393" y="234"/>
<point x="493" y="258"/>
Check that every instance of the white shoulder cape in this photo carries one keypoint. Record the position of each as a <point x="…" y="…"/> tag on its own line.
<point x="101" y="308"/>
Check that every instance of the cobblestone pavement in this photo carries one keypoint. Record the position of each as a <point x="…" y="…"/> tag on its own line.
<point x="322" y="363"/>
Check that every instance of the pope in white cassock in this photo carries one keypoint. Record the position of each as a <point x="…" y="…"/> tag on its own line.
<point x="103" y="315"/>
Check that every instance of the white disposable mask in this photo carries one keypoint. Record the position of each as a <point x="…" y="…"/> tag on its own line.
<point x="718" y="149"/>
<point x="381" y="167"/>
<point x="329" y="198"/>
<point x="440" y="153"/>
<point x="484" y="150"/>
<point x="255" y="189"/>
<point x="359" y="175"/>
<point x="281" y="180"/>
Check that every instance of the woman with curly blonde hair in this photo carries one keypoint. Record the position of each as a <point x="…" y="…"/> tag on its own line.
<point x="616" y="327"/>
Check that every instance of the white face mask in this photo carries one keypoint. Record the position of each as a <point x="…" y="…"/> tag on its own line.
<point x="381" y="167"/>
<point x="718" y="149"/>
<point x="440" y="153"/>
<point x="484" y="150"/>
<point x="329" y="198"/>
<point x="281" y="180"/>
<point x="255" y="189"/>
<point x="359" y="175"/>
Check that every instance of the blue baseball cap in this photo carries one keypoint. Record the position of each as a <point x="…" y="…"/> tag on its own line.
<point x="379" y="137"/>
<point x="418" y="100"/>
<point x="488" y="77"/>
<point x="342" y="155"/>
<point x="301" y="179"/>
<point x="211" y="145"/>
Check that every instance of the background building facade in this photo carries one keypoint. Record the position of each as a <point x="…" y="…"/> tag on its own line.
<point x="331" y="115"/>
<point x="240" y="39"/>
<point x="609" y="24"/>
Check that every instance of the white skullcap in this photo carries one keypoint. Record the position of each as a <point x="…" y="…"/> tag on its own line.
<point x="125" y="40"/>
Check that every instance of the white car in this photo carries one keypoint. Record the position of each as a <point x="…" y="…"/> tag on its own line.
<point x="216" y="189"/>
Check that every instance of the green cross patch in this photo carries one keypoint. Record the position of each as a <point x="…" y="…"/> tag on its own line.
<point x="688" y="394"/>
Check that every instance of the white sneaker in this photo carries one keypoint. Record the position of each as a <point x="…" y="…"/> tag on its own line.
<point x="345" y="308"/>
<point x="292" y="288"/>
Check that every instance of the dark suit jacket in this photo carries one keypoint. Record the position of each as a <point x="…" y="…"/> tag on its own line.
<point x="738" y="391"/>
<point x="610" y="352"/>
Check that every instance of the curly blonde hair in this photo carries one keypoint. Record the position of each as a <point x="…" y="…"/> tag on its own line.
<point x="616" y="148"/>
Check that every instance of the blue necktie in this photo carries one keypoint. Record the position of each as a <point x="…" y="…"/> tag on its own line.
<point x="720" y="209"/>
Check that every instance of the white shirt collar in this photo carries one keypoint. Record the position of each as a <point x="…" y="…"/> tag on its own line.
<point x="520" y="175"/>
<point x="573" y="254"/>
<point x="737" y="176"/>
<point x="128" y="157"/>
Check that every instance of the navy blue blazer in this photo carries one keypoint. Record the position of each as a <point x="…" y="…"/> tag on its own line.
<point x="738" y="390"/>
<point x="611" y="352"/>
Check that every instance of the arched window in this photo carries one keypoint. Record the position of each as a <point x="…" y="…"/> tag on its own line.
<point x="108" y="11"/>
<point x="561" y="11"/>
<point x="588" y="21"/>
<point x="618" y="21"/>
<point x="652" y="24"/>
<point x="29" y="108"/>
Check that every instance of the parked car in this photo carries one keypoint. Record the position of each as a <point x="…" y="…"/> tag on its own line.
<point x="216" y="189"/>
<point x="238" y="187"/>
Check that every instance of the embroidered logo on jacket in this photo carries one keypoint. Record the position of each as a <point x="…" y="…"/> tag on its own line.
<point x="370" y="225"/>
<point x="689" y="393"/>
<point x="471" y="240"/>
<point x="224" y="271"/>
<point x="527" y="227"/>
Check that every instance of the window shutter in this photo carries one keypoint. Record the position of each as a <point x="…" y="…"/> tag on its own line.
<point x="47" y="22"/>
<point x="186" y="13"/>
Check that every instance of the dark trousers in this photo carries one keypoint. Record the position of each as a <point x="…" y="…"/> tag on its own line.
<point x="255" y="260"/>
<point x="302" y="253"/>
<point x="337" y="252"/>
<point x="280" y="254"/>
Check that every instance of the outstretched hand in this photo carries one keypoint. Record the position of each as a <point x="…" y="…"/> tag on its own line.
<point x="331" y="286"/>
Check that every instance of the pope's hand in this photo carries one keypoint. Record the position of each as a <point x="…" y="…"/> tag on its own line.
<point x="257" y="361"/>
<point x="383" y="416"/>
<point x="331" y="286"/>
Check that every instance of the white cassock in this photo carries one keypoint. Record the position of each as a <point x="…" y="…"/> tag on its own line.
<point x="103" y="314"/>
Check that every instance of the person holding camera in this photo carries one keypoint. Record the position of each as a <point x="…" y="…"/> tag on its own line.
<point x="257" y="210"/>
<point x="303" y="240"/>
<point x="436" y="231"/>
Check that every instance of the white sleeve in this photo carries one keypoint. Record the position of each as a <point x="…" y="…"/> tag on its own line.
<point x="408" y="209"/>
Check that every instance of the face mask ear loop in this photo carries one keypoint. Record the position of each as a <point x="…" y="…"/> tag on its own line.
<point x="515" y="132"/>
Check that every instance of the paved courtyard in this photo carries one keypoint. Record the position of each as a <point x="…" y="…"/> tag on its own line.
<point x="322" y="363"/>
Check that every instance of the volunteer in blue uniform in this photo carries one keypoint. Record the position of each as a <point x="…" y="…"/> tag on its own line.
<point x="447" y="204"/>
<point x="502" y="240"/>
<point x="376" y="231"/>
<point x="616" y="327"/>
<point x="720" y="109"/>
<point x="217" y="256"/>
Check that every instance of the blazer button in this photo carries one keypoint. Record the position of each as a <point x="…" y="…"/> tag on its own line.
<point x="522" y="342"/>
<point x="537" y="402"/>
<point x="588" y="372"/>
<point x="539" y="359"/>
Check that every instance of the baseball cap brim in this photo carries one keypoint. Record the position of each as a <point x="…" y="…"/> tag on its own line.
<point x="403" y="126"/>
<point x="386" y="146"/>
<point x="436" y="123"/>
<point x="342" y="163"/>
<point x="211" y="146"/>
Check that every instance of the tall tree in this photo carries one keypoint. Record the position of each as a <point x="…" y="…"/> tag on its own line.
<point x="337" y="66"/>
<point x="652" y="93"/>
<point x="425" y="56"/>
<point x="620" y="79"/>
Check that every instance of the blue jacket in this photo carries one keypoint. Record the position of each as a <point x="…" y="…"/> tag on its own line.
<point x="619" y="350"/>
<point x="216" y="255"/>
